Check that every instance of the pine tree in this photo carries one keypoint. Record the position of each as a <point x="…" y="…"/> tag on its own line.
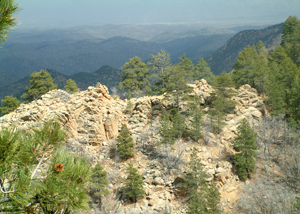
<point x="178" y="125"/>
<point x="166" y="130"/>
<point x="160" y="66"/>
<point x="71" y="86"/>
<point x="99" y="182"/>
<point x="177" y="85"/>
<point x="291" y="38"/>
<point x="7" y="21"/>
<point x="187" y="67"/>
<point x="59" y="188"/>
<point x="202" y="198"/>
<point x="9" y="104"/>
<point x="41" y="83"/>
<point x="202" y="71"/>
<point x="136" y="77"/>
<point x="196" y="119"/>
<point x="245" y="145"/>
<point x="133" y="184"/>
<point x="125" y="143"/>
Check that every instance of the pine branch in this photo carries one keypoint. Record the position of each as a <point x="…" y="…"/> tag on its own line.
<point x="38" y="166"/>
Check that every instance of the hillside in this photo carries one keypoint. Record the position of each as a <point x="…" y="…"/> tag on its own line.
<point x="106" y="75"/>
<point x="225" y="57"/>
<point x="92" y="119"/>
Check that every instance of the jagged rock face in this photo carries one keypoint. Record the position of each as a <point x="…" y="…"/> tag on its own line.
<point x="90" y="116"/>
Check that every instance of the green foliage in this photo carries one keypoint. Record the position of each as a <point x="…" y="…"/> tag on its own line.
<point x="217" y="113"/>
<point x="202" y="71"/>
<point x="136" y="77"/>
<point x="251" y="67"/>
<point x="125" y="143"/>
<point x="166" y="129"/>
<point x="224" y="83"/>
<point x="9" y="104"/>
<point x="99" y="182"/>
<point x="171" y="128"/>
<point x="41" y="83"/>
<point x="28" y="184"/>
<point x="196" y="119"/>
<point x="177" y="85"/>
<point x="187" y="67"/>
<point x="71" y="86"/>
<point x="133" y="184"/>
<point x="245" y="145"/>
<point x="291" y="38"/>
<point x="7" y="21"/>
<point x="160" y="67"/>
<point x="294" y="101"/>
<point x="203" y="198"/>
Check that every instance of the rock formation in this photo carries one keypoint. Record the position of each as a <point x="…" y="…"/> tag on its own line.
<point x="93" y="118"/>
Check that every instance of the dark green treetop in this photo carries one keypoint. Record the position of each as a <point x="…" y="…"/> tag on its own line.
<point x="245" y="146"/>
<point x="125" y="143"/>
<point x="133" y="184"/>
<point x="187" y="67"/>
<point x="160" y="65"/>
<point x="71" y="86"/>
<point x="203" y="198"/>
<point x="136" y="77"/>
<point x="203" y="71"/>
<point x="9" y="104"/>
<point x="291" y="38"/>
<point x="41" y="83"/>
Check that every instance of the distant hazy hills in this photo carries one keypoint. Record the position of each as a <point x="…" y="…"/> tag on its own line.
<point x="225" y="57"/>
<point x="71" y="51"/>
<point x="105" y="75"/>
<point x="75" y="53"/>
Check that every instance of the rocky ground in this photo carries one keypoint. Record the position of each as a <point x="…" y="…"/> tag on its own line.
<point x="93" y="118"/>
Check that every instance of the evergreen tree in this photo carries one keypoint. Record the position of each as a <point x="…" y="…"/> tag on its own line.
<point x="125" y="143"/>
<point x="7" y="21"/>
<point x="136" y="77"/>
<point x="196" y="119"/>
<point x="177" y="85"/>
<point x="133" y="184"/>
<point x="160" y="66"/>
<point x="291" y="38"/>
<point x="9" y="104"/>
<point x="244" y="67"/>
<point x="294" y="101"/>
<point x="202" y="198"/>
<point x="26" y="185"/>
<point x="223" y="84"/>
<point x="202" y="71"/>
<point x="99" y="182"/>
<point x="245" y="145"/>
<point x="187" y="67"/>
<point x="41" y="83"/>
<point x="71" y="86"/>
<point x="178" y="125"/>
<point x="275" y="90"/>
<point x="217" y="113"/>
<point x="166" y="130"/>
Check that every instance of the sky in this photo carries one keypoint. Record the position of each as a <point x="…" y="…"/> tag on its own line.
<point x="71" y="13"/>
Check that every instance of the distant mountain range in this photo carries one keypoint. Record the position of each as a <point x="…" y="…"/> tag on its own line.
<point x="28" y="53"/>
<point x="225" y="57"/>
<point x="76" y="57"/>
<point x="105" y="75"/>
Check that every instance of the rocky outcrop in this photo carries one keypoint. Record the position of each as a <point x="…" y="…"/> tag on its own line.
<point x="93" y="119"/>
<point x="90" y="116"/>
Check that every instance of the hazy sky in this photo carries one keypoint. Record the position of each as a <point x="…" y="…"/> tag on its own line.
<point x="62" y="13"/>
